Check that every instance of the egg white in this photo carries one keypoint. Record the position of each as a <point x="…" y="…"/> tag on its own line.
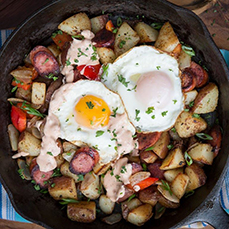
<point x="130" y="66"/>
<point x="79" y="135"/>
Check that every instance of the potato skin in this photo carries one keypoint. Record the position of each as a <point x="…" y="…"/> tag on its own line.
<point x="83" y="212"/>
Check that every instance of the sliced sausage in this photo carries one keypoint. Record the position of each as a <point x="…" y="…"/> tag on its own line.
<point x="41" y="178"/>
<point x="104" y="38"/>
<point x="216" y="134"/>
<point x="149" y="195"/>
<point x="128" y="193"/>
<point x="147" y="140"/>
<point x="155" y="170"/>
<point x="52" y="87"/>
<point x="136" y="167"/>
<point x="44" y="61"/>
<point x="188" y="80"/>
<point x="200" y="74"/>
<point x="84" y="160"/>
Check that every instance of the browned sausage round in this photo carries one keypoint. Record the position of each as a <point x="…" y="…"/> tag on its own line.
<point x="84" y="160"/>
<point x="128" y="193"/>
<point x="104" y="38"/>
<point x="147" y="140"/>
<point x="155" y="170"/>
<point x="200" y="74"/>
<point x="188" y="80"/>
<point x="44" y="61"/>
<point x="41" y="178"/>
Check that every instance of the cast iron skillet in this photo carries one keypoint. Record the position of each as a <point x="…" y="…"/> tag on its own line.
<point x="42" y="209"/>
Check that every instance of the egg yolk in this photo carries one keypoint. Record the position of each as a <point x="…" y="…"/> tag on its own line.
<point x="155" y="89"/>
<point x="92" y="112"/>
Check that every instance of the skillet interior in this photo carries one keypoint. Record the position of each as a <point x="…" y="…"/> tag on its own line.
<point x="41" y="208"/>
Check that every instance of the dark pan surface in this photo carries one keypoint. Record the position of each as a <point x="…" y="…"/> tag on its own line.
<point x="41" y="208"/>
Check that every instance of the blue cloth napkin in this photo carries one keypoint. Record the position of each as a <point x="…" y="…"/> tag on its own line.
<point x="7" y="211"/>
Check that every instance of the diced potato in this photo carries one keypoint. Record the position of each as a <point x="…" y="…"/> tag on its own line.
<point x="125" y="39"/>
<point x="29" y="144"/>
<point x="160" y="148"/>
<point x="190" y="96"/>
<point x="23" y="94"/>
<point x="98" y="23"/>
<point x="84" y="211"/>
<point x="38" y="93"/>
<point x="206" y="100"/>
<point x="90" y="186"/>
<point x="106" y="55"/>
<point x="149" y="195"/>
<point x="167" y="195"/>
<point x="128" y="206"/>
<point x="174" y="160"/>
<point x="23" y="74"/>
<point x="137" y="177"/>
<point x="172" y="173"/>
<point x="112" y="219"/>
<point x="184" y="60"/>
<point x="167" y="203"/>
<point x="196" y="175"/>
<point x="53" y="48"/>
<point x="202" y="152"/>
<point x="75" y="24"/>
<point x="59" y="160"/>
<point x="64" y="169"/>
<point x="148" y="156"/>
<point x="167" y="39"/>
<point x="13" y="136"/>
<point x="179" y="185"/>
<point x="140" y="215"/>
<point x="101" y="169"/>
<point x="63" y="188"/>
<point x="146" y="32"/>
<point x="106" y="205"/>
<point x="187" y="125"/>
<point x="67" y="146"/>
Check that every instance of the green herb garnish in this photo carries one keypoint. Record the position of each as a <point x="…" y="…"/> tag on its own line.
<point x="136" y="115"/>
<point x="150" y="110"/>
<point x="204" y="136"/>
<point x="122" y="80"/>
<point x="99" y="133"/>
<point x="166" y="186"/>
<point x="27" y="107"/>
<point x="188" y="159"/>
<point x="90" y="105"/>
<point x="189" y="50"/>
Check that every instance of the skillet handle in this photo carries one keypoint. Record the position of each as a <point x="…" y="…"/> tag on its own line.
<point x="212" y="213"/>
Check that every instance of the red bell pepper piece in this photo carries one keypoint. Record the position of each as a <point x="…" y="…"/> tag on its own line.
<point x="18" y="118"/>
<point x="146" y="183"/>
<point x="19" y="105"/>
<point x="22" y="85"/>
<point x="90" y="71"/>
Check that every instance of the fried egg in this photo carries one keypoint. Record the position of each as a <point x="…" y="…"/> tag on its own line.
<point x="89" y="113"/>
<point x="149" y="84"/>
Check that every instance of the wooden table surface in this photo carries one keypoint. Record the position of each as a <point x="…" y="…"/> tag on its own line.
<point x="215" y="15"/>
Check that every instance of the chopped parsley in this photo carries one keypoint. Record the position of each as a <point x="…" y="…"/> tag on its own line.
<point x="121" y="43"/>
<point x="99" y="133"/>
<point x="122" y="80"/>
<point x="49" y="153"/>
<point x="119" y="21"/>
<point x="164" y="113"/>
<point x="150" y="110"/>
<point x="156" y="25"/>
<point x="196" y="115"/>
<point x="90" y="105"/>
<point x="158" y="67"/>
<point x="80" y="177"/>
<point x="136" y="115"/>
<point x="68" y="62"/>
<point x="174" y="101"/>
<point x="114" y="112"/>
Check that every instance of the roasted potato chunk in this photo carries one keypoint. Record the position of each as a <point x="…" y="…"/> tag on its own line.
<point x="38" y="93"/>
<point x="13" y="136"/>
<point x="83" y="212"/>
<point x="172" y="173"/>
<point x="137" y="177"/>
<point x="125" y="39"/>
<point x="127" y="206"/>
<point x="90" y="186"/>
<point x="29" y="144"/>
<point x="167" y="39"/>
<point x="23" y="94"/>
<point x="174" y="160"/>
<point x="106" y="55"/>
<point x="75" y="24"/>
<point x="149" y="195"/>
<point x="146" y="32"/>
<point x="184" y="60"/>
<point x="202" y="152"/>
<point x="206" y="100"/>
<point x="138" y="216"/>
<point x="101" y="169"/>
<point x="63" y="188"/>
<point x="98" y="23"/>
<point x="187" y="125"/>
<point x="179" y="185"/>
<point x="160" y="147"/>
<point x="190" y="96"/>
<point x="106" y="205"/>
<point x="196" y="175"/>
